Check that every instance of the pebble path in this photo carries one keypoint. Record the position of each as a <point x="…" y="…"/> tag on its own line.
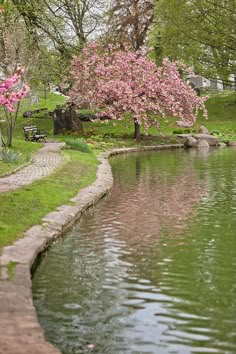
<point x="45" y="161"/>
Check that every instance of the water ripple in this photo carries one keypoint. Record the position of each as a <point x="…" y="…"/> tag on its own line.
<point x="153" y="268"/>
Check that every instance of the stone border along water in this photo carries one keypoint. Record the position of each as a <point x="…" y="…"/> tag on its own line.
<point x="20" y="331"/>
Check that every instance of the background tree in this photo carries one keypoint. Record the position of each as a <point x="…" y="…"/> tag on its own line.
<point x="16" y="45"/>
<point x="128" y="84"/>
<point x="47" y="71"/>
<point x="55" y="30"/>
<point x="129" y="22"/>
<point x="201" y="33"/>
<point x="66" y="23"/>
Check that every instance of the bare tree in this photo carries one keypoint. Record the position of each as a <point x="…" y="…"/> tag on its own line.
<point x="66" y="23"/>
<point x="129" y="21"/>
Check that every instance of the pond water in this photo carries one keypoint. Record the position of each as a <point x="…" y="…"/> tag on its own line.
<point x="151" y="269"/>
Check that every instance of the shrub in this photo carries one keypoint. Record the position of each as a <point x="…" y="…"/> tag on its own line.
<point x="215" y="132"/>
<point x="177" y="131"/>
<point x="77" y="144"/>
<point x="10" y="156"/>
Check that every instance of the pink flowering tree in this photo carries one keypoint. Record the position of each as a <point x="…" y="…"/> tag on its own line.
<point x="119" y="82"/>
<point x="12" y="91"/>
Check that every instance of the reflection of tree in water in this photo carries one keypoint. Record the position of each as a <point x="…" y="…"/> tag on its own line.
<point x="156" y="200"/>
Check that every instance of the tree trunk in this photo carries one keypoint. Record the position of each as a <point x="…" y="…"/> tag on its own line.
<point x="45" y="92"/>
<point x="9" y="137"/>
<point x="137" y="133"/>
<point x="0" y="139"/>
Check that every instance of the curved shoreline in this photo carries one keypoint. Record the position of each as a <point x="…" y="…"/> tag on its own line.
<point x="22" y="332"/>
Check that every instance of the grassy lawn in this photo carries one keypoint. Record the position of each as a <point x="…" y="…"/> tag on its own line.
<point x="221" y="116"/>
<point x="221" y="108"/>
<point x="222" y="112"/>
<point x="44" y="123"/>
<point x="24" y="151"/>
<point x="25" y="207"/>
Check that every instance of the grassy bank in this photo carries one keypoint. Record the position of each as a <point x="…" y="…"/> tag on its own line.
<point x="221" y="117"/>
<point x="26" y="206"/>
<point x="221" y="108"/>
<point x="20" y="154"/>
<point x="22" y="151"/>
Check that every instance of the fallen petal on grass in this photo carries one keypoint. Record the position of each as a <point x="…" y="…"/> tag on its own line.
<point x="90" y="346"/>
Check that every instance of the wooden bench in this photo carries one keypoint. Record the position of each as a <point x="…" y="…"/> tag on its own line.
<point x="32" y="133"/>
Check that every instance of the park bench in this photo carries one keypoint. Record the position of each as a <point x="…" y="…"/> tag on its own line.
<point x="32" y="133"/>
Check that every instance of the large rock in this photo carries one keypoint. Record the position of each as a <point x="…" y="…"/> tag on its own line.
<point x="212" y="140"/>
<point x="190" y="142"/>
<point x="184" y="124"/>
<point x="203" y="130"/>
<point x="201" y="143"/>
<point x="66" y="120"/>
<point x="232" y="143"/>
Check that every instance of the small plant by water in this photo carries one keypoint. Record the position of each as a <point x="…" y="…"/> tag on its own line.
<point x="77" y="144"/>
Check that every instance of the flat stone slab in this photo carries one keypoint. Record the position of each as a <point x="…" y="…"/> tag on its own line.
<point x="212" y="140"/>
<point x="184" y="136"/>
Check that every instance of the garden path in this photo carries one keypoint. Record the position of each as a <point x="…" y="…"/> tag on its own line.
<point x="44" y="162"/>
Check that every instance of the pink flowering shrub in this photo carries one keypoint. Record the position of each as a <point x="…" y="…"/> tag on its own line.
<point x="118" y="82"/>
<point x="11" y="93"/>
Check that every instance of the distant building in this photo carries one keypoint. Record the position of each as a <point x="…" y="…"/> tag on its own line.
<point x="2" y="76"/>
<point x="200" y="82"/>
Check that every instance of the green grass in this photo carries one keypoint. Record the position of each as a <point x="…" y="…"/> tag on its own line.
<point x="43" y="123"/>
<point x="221" y="116"/>
<point x="11" y="270"/>
<point x="221" y="108"/>
<point x="50" y="103"/>
<point x="26" y="149"/>
<point x="77" y="144"/>
<point x="26" y="206"/>
<point x="222" y="112"/>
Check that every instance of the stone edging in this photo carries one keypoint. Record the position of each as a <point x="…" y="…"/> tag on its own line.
<point x="22" y="333"/>
<point x="17" y="169"/>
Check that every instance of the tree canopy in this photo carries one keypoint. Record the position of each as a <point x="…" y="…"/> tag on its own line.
<point x="201" y="33"/>
<point x="67" y="24"/>
<point x="129" y="22"/>
<point x="118" y="82"/>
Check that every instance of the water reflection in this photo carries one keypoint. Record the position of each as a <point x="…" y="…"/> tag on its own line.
<point x="152" y="268"/>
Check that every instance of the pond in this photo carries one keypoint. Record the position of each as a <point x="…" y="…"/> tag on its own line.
<point x="151" y="269"/>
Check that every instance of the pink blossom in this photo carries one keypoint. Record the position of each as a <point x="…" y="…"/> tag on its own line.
<point x="90" y="346"/>
<point x="119" y="82"/>
<point x="9" y="94"/>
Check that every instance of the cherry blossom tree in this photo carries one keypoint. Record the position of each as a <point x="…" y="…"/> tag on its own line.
<point x="11" y="93"/>
<point x="129" y="84"/>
